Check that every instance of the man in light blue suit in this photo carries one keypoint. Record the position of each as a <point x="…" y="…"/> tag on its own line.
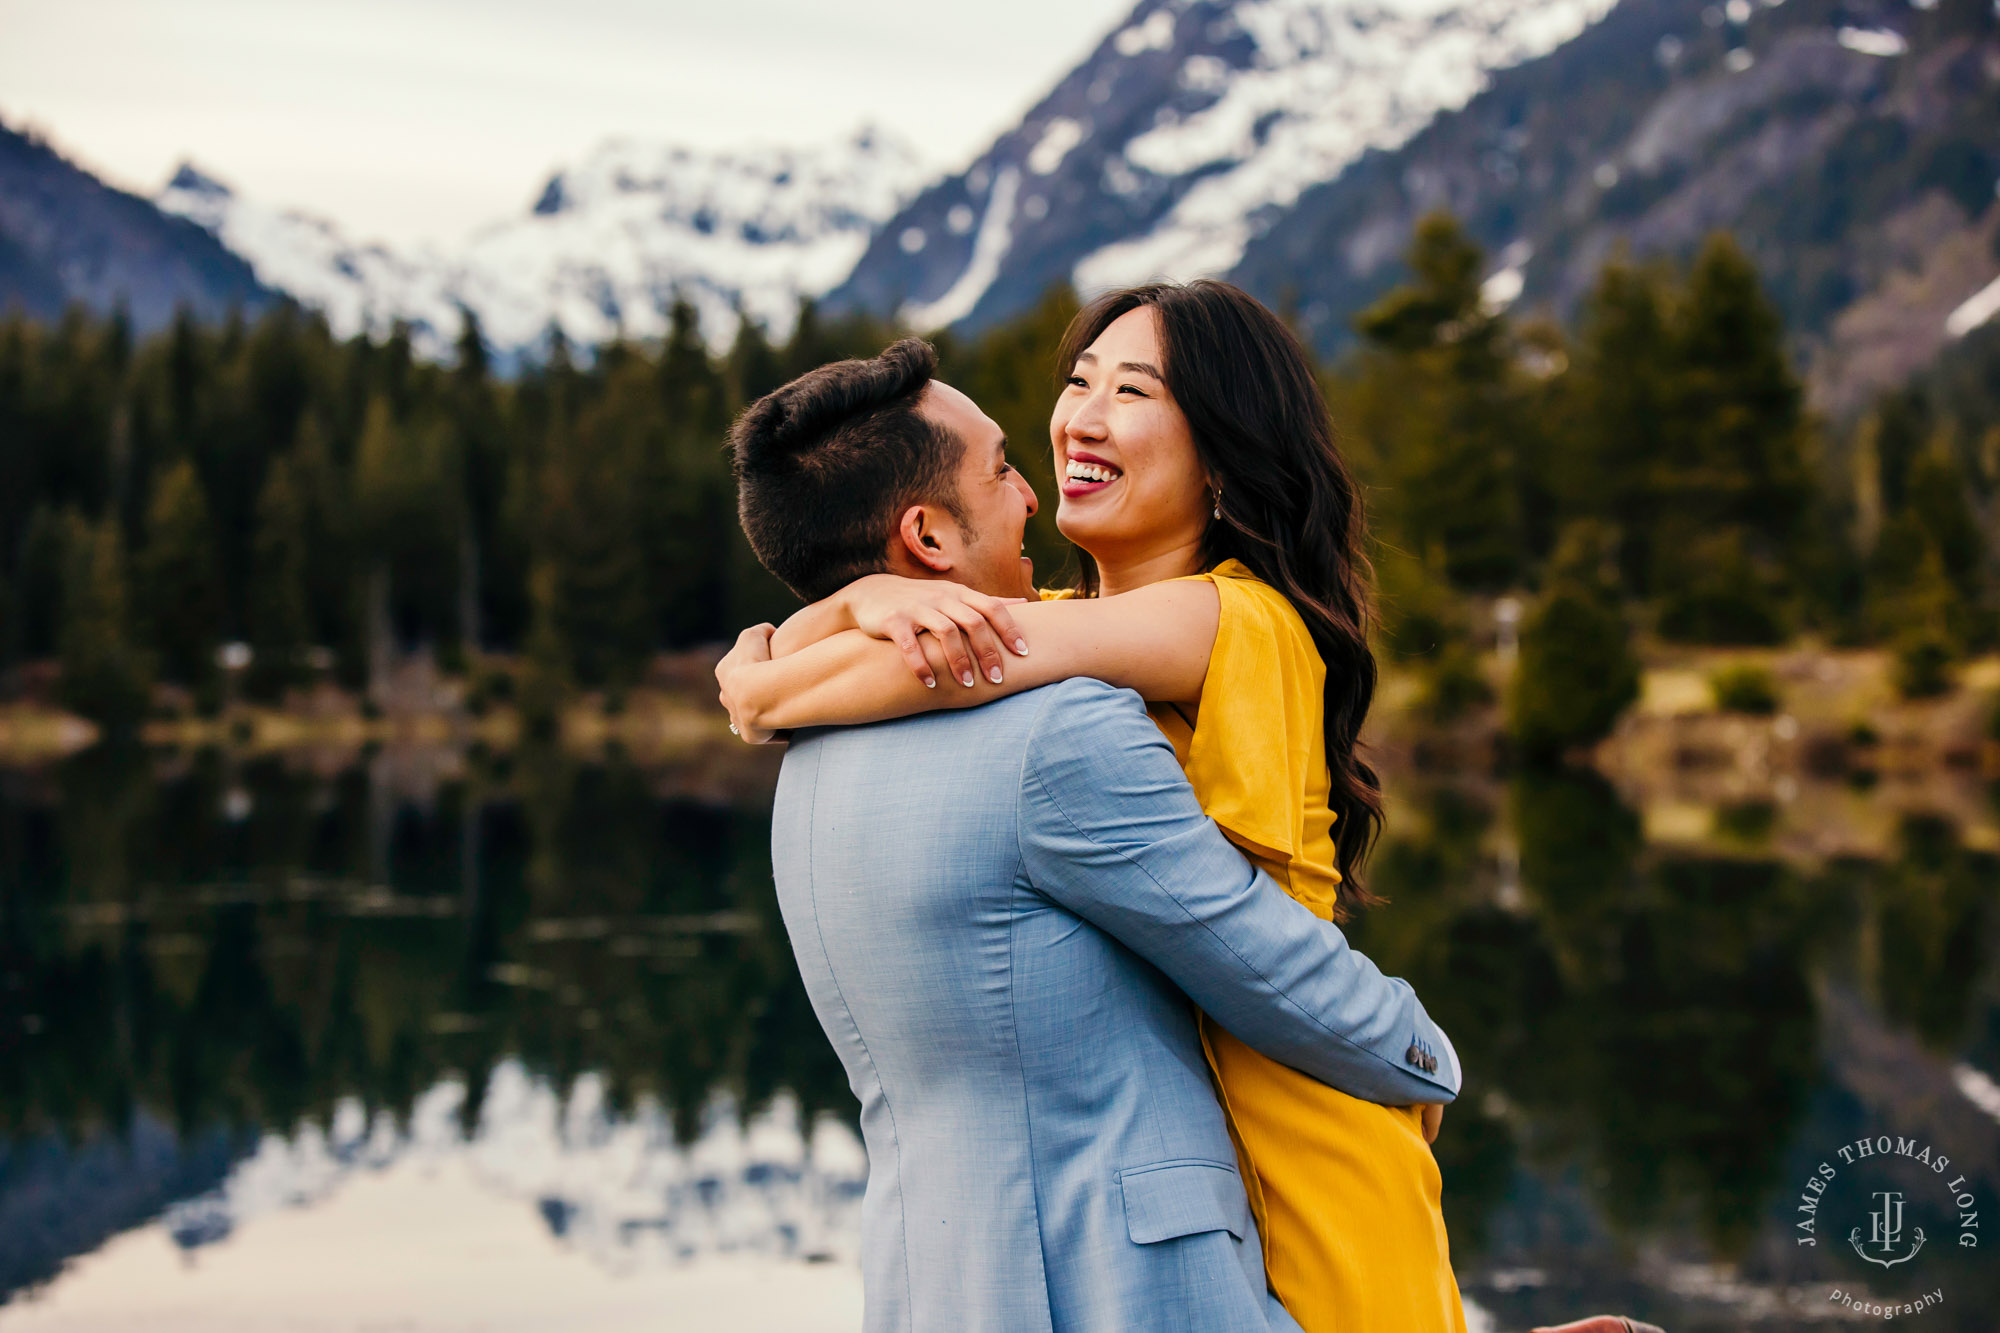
<point x="1001" y="916"/>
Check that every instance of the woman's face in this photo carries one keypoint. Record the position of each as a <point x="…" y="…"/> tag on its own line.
<point x="1131" y="482"/>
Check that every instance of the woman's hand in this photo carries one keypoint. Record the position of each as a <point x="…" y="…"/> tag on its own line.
<point x="967" y="626"/>
<point x="753" y="645"/>
<point x="1433" y="1121"/>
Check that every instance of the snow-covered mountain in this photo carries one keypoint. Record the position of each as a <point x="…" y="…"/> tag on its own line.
<point x="1183" y="136"/>
<point x="1850" y="146"/>
<point x="615" y="1187"/>
<point x="69" y="239"/>
<point x="1290" y="145"/>
<point x="604" y="250"/>
<point x="357" y="287"/>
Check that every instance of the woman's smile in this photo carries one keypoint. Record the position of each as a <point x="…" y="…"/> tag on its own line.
<point x="1087" y="474"/>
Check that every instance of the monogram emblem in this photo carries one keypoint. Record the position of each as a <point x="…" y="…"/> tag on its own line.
<point x="1885" y="1232"/>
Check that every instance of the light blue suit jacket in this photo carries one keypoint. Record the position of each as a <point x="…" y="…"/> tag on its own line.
<point x="1000" y="915"/>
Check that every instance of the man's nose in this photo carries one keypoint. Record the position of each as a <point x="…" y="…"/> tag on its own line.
<point x="1028" y="494"/>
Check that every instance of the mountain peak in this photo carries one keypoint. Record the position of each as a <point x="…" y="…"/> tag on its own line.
<point x="192" y="179"/>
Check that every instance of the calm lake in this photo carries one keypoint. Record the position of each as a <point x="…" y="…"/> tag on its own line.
<point x="440" y="1041"/>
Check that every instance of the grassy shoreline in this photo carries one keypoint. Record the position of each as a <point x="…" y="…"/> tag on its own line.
<point x="1829" y="768"/>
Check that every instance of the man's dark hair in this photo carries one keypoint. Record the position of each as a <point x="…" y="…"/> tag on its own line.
<point x="827" y="464"/>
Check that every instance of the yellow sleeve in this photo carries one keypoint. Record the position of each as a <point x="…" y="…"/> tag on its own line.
<point x="1260" y="731"/>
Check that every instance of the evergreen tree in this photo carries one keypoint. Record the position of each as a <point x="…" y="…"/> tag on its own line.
<point x="1730" y="481"/>
<point x="1439" y="406"/>
<point x="1927" y="638"/>
<point x="1620" y="390"/>
<point x="332" y="591"/>
<point x="1425" y="625"/>
<point x="1928" y="570"/>
<point x="280" y="621"/>
<point x="178" y="580"/>
<point x="483" y="455"/>
<point x="36" y="608"/>
<point x="408" y="495"/>
<point x="754" y="368"/>
<point x="592" y="542"/>
<point x="690" y="510"/>
<point x="1576" y="672"/>
<point x="546" y="678"/>
<point x="105" y="675"/>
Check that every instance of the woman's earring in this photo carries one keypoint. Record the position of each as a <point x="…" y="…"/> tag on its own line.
<point x="1218" y="502"/>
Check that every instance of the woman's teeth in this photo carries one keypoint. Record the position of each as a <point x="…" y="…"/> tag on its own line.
<point x="1092" y="472"/>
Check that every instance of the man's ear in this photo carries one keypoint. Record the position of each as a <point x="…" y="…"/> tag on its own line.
<point x="927" y="538"/>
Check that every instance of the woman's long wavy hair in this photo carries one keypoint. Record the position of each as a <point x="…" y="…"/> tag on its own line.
<point x="1290" y="509"/>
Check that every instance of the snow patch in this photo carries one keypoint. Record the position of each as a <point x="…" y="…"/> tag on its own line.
<point x="1976" y="1087"/>
<point x="1155" y="34"/>
<point x="996" y="234"/>
<point x="1204" y="74"/>
<point x="1061" y="135"/>
<point x="1872" y="41"/>
<point x="1501" y="289"/>
<point x="1981" y="306"/>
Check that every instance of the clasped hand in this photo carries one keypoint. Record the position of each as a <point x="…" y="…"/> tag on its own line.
<point x="965" y="627"/>
<point x="940" y="628"/>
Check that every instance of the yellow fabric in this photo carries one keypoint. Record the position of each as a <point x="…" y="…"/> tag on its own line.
<point x="1346" y="1193"/>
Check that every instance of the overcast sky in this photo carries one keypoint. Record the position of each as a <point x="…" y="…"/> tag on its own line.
<point x="416" y="120"/>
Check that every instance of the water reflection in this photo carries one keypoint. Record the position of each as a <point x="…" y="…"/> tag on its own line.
<point x="1654" y="1052"/>
<point x="233" y="987"/>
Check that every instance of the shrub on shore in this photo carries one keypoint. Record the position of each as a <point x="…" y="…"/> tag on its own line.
<point x="1745" y="688"/>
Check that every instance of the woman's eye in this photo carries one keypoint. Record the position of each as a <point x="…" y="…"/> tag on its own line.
<point x="1132" y="388"/>
<point x="1076" y="382"/>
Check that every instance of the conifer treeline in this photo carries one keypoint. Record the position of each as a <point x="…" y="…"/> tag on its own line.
<point x="326" y="501"/>
<point x="1654" y="469"/>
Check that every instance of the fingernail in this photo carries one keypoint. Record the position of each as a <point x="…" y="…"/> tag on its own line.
<point x="1021" y="647"/>
<point x="993" y="674"/>
<point x="966" y="679"/>
<point x="930" y="682"/>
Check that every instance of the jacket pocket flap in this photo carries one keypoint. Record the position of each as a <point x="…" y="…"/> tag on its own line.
<point x="1169" y="1199"/>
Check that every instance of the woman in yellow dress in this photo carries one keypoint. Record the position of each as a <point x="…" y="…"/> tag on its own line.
<point x="1225" y="583"/>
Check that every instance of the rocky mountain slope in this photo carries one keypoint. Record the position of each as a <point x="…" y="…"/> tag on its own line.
<point x="1183" y="137"/>
<point x="1853" y="146"/>
<point x="66" y="237"/>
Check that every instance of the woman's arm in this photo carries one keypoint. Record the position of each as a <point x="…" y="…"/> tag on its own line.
<point x="1155" y="640"/>
<point x="967" y="624"/>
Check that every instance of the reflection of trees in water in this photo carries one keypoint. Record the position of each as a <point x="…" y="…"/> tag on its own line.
<point x="1646" y="1014"/>
<point x="1639" y="1019"/>
<point x="164" y="945"/>
<point x="1930" y="915"/>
